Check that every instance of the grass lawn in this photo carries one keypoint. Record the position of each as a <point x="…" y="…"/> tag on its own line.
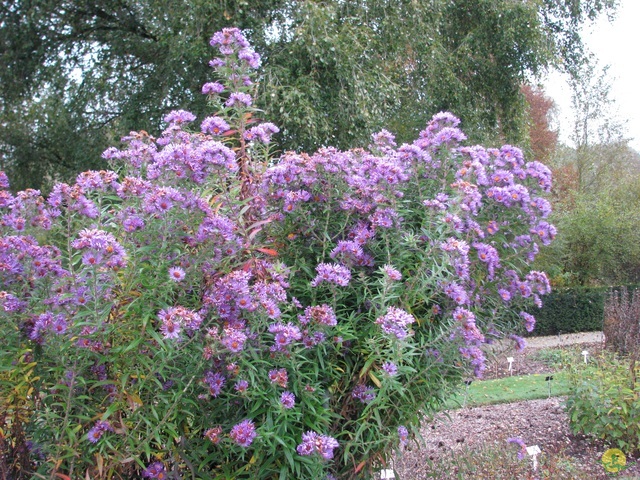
<point x="511" y="389"/>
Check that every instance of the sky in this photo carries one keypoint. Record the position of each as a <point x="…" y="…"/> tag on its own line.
<point x="616" y="44"/>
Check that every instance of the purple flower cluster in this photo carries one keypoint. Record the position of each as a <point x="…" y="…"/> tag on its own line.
<point x="179" y="117"/>
<point x="212" y="88"/>
<point x="403" y="435"/>
<point x="279" y="377"/>
<point x="215" y="381"/>
<point x="101" y="249"/>
<point x="236" y="293"/>
<point x="48" y="322"/>
<point x="395" y="322"/>
<point x="177" y="211"/>
<point x="320" y="315"/>
<point x="392" y="274"/>
<point x="243" y="433"/>
<point x="390" y="368"/>
<point x="261" y="133"/>
<point x="288" y="400"/>
<point x="155" y="470"/>
<point x="313" y="443"/>
<point x="175" y="318"/>
<point x="231" y="41"/>
<point x="214" y="434"/>
<point x="529" y="321"/>
<point x="98" y="430"/>
<point x="332" y="273"/>
<point x="363" y="393"/>
<point x="520" y="342"/>
<point x="476" y="359"/>
<point x="73" y="198"/>
<point x="523" y="447"/>
<point x="285" y="335"/>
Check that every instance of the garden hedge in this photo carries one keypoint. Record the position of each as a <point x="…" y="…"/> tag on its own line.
<point x="572" y="310"/>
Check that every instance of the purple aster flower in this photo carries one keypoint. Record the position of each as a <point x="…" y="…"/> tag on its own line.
<point x="243" y="433"/>
<point x="234" y="339"/>
<point x="332" y="273"/>
<point x="59" y="325"/>
<point x="454" y="245"/>
<point x="241" y="386"/>
<point x="214" y="126"/>
<point x="523" y="447"/>
<point x="155" y="470"/>
<point x="504" y="294"/>
<point x="392" y="273"/>
<point x="284" y="335"/>
<point x="10" y="303"/>
<point x="98" y="430"/>
<point x="314" y="443"/>
<point x="287" y="399"/>
<point x="262" y="132"/>
<point x="403" y="435"/>
<point x="215" y="381"/>
<point x="214" y="434"/>
<point x="545" y="231"/>
<point x="390" y="368"/>
<point x="4" y="180"/>
<point x="457" y="293"/>
<point x="321" y="314"/>
<point x="240" y="98"/>
<point x="179" y="116"/>
<point x="395" y="322"/>
<point x="520" y="342"/>
<point x="229" y="37"/>
<point x="279" y="376"/>
<point x="540" y="172"/>
<point x="492" y="227"/>
<point x="529" y="321"/>
<point x="132" y="223"/>
<point x="539" y="282"/>
<point x="363" y="393"/>
<point x="250" y="57"/>
<point x="176" y="274"/>
<point x="476" y="358"/>
<point x="384" y="217"/>
<point x="212" y="88"/>
<point x="384" y="138"/>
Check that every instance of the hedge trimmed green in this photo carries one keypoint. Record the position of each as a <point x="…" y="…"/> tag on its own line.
<point x="571" y="310"/>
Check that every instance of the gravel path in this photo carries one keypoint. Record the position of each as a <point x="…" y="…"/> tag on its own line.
<point x="565" y="339"/>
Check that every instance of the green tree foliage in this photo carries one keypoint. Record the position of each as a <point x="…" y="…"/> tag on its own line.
<point x="597" y="192"/>
<point x="76" y="73"/>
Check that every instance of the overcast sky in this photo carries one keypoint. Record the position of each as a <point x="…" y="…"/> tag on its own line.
<point x="616" y="44"/>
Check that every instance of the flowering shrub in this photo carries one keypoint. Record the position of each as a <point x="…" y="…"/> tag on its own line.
<point x="205" y="309"/>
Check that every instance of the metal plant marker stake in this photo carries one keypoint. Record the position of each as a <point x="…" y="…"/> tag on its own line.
<point x="466" y="393"/>
<point x="534" y="451"/>
<point x="548" y="380"/>
<point x="510" y="360"/>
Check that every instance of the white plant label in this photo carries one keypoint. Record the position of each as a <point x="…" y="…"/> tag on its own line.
<point x="534" y="451"/>
<point x="387" y="474"/>
<point x="585" y="354"/>
<point x="510" y="360"/>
